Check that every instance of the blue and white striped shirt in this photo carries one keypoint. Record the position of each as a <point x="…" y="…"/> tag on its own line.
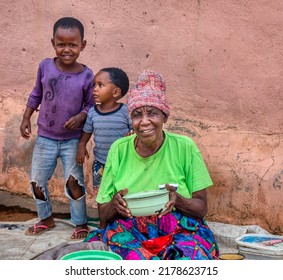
<point x="106" y="128"/>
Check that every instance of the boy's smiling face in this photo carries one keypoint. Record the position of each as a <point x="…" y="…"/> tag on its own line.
<point x="68" y="44"/>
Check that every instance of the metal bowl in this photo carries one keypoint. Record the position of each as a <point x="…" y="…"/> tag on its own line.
<point x="147" y="203"/>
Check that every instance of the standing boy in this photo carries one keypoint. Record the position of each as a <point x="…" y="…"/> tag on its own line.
<point x="108" y="120"/>
<point x="63" y="90"/>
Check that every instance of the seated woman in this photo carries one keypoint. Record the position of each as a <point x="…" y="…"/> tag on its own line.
<point x="143" y="161"/>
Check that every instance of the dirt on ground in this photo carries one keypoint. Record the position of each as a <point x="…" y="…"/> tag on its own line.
<point x="18" y="214"/>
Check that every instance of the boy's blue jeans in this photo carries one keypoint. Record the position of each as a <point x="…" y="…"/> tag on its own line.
<point x="44" y="160"/>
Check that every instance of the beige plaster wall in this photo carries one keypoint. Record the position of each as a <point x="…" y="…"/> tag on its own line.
<point x="223" y="63"/>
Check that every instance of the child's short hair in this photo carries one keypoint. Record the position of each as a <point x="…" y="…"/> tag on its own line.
<point x="118" y="77"/>
<point x="69" y="22"/>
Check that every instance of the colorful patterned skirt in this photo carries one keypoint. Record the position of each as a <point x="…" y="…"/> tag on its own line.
<point x="172" y="237"/>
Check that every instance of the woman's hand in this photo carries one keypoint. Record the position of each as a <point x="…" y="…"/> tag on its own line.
<point x="120" y="204"/>
<point x="172" y="200"/>
<point x="109" y="211"/>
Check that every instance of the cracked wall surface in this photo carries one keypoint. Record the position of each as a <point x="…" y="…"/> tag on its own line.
<point x="222" y="62"/>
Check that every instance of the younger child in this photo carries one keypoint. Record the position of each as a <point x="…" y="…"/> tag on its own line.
<point x="108" y="120"/>
<point x="63" y="90"/>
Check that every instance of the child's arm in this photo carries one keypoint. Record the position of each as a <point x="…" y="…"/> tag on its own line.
<point x="33" y="103"/>
<point x="130" y="132"/>
<point x="82" y="151"/>
<point x="26" y="124"/>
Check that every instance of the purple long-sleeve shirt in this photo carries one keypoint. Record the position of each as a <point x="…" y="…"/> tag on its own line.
<point x="60" y="96"/>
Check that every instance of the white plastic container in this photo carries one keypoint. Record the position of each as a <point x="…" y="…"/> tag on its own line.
<point x="261" y="246"/>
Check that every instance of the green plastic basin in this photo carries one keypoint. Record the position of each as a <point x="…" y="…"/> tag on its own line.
<point x="91" y="255"/>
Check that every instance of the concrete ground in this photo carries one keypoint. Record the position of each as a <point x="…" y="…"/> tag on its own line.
<point x="17" y="213"/>
<point x="15" y="245"/>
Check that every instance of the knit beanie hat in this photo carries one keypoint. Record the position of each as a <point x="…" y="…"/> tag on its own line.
<point x="149" y="90"/>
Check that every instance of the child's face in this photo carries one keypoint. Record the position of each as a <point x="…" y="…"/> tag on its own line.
<point x="67" y="44"/>
<point x="104" y="90"/>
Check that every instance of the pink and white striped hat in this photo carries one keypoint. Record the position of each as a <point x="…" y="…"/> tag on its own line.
<point x="149" y="90"/>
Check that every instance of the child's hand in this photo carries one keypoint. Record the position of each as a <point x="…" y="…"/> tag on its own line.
<point x="81" y="154"/>
<point x="25" y="129"/>
<point x="129" y="133"/>
<point x="73" y="123"/>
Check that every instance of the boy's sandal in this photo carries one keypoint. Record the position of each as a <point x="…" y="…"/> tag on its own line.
<point x="76" y="234"/>
<point x="38" y="229"/>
